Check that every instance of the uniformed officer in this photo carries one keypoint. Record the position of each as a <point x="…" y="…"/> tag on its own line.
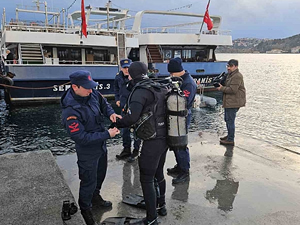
<point x="121" y="95"/>
<point x="153" y="151"/>
<point x="189" y="88"/>
<point x="83" y="111"/>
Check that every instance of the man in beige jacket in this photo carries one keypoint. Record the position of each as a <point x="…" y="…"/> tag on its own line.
<point x="234" y="97"/>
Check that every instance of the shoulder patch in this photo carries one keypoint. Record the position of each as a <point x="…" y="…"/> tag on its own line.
<point x="186" y="93"/>
<point x="72" y="118"/>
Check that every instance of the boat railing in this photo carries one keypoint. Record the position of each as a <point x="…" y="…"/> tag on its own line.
<point x="176" y="30"/>
<point x="56" y="61"/>
<point x="77" y="62"/>
<point x="36" y="27"/>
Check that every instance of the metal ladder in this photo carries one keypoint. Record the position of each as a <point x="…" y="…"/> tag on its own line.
<point x="31" y="53"/>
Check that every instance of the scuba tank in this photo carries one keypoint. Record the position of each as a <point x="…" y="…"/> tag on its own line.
<point x="177" y="112"/>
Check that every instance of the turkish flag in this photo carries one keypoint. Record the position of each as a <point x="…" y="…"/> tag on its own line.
<point x="83" y="21"/>
<point x="207" y="19"/>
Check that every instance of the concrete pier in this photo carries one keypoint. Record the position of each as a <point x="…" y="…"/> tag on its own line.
<point x="32" y="190"/>
<point x="253" y="182"/>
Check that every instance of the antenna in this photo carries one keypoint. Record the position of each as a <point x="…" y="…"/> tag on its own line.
<point x="37" y="2"/>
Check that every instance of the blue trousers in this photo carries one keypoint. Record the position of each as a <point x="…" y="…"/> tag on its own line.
<point x="91" y="174"/>
<point x="183" y="156"/>
<point x="229" y="117"/>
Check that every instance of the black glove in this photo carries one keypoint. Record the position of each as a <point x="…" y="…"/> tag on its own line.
<point x="112" y="125"/>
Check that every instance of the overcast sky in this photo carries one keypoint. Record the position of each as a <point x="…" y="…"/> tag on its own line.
<point x="244" y="18"/>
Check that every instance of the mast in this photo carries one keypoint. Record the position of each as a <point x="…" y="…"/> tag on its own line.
<point x="203" y="18"/>
<point x="107" y="11"/>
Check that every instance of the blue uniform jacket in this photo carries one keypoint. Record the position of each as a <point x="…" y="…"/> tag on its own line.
<point x="83" y="118"/>
<point x="121" y="92"/>
<point x="189" y="89"/>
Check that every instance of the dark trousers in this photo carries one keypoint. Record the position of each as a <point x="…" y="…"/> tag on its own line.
<point x="126" y="138"/>
<point x="183" y="156"/>
<point x="151" y="164"/>
<point x="229" y="117"/>
<point x="91" y="174"/>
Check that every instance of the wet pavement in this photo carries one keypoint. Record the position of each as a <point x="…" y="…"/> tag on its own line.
<point x="253" y="182"/>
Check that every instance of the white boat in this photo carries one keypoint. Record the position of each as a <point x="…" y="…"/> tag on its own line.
<point x="46" y="52"/>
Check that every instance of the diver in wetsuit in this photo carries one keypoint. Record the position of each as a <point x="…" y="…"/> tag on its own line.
<point x="153" y="150"/>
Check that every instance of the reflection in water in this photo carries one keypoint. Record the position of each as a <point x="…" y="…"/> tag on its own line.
<point x="225" y="190"/>
<point x="131" y="185"/>
<point x="229" y="150"/>
<point x="131" y="179"/>
<point x="99" y="211"/>
<point x="180" y="191"/>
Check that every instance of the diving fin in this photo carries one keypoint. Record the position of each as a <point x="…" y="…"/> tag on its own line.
<point x="135" y="200"/>
<point x="117" y="220"/>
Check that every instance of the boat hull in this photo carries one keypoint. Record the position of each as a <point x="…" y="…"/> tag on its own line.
<point x="40" y="83"/>
<point x="47" y="83"/>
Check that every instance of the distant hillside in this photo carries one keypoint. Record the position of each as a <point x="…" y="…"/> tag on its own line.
<point x="252" y="45"/>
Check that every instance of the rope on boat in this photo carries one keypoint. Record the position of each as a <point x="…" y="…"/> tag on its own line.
<point x="28" y="88"/>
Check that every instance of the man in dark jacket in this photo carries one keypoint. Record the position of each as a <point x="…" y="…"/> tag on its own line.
<point x="189" y="88"/>
<point x="121" y="95"/>
<point x="234" y="97"/>
<point x="9" y="57"/>
<point x="153" y="150"/>
<point x="83" y="111"/>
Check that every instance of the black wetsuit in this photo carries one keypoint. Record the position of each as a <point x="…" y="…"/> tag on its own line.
<point x="152" y="156"/>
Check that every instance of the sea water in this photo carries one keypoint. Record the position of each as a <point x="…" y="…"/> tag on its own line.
<point x="272" y="111"/>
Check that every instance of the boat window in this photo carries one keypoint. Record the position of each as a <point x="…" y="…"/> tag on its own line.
<point x="167" y="54"/>
<point x="69" y="55"/>
<point x="177" y="53"/>
<point x="47" y="51"/>
<point x="134" y="54"/>
<point x="199" y="55"/>
<point x="186" y="55"/>
<point x="96" y="56"/>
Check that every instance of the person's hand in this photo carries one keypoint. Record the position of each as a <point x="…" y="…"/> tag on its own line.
<point x="219" y="88"/>
<point x="113" y="117"/>
<point x="113" y="132"/>
<point x="112" y="125"/>
<point x="118" y="103"/>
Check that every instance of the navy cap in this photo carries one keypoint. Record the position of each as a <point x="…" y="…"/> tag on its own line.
<point x="125" y="63"/>
<point x="175" y="66"/>
<point x="83" y="78"/>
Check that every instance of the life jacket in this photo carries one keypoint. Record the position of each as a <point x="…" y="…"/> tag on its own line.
<point x="152" y="123"/>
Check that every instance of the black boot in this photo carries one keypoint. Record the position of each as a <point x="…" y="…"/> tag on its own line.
<point x="181" y="178"/>
<point x="99" y="201"/>
<point x="174" y="171"/>
<point x="162" y="210"/>
<point x="133" y="156"/>
<point x="88" y="217"/>
<point x="126" y="152"/>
